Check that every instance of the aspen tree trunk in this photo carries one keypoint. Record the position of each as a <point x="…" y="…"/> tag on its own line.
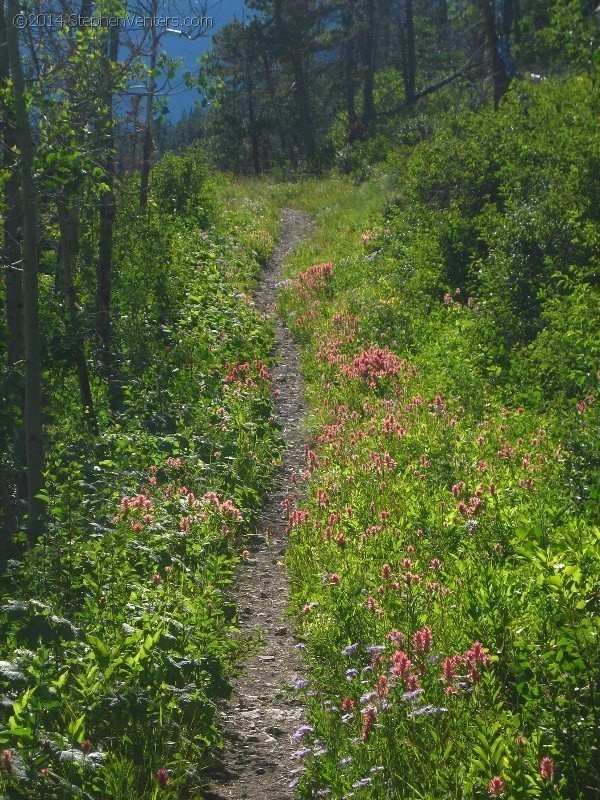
<point x="12" y="221"/>
<point x="33" y="381"/>
<point x="148" y="141"/>
<point x="66" y="224"/>
<point x="107" y="221"/>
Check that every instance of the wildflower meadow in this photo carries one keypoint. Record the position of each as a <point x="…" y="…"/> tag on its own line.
<point x="444" y="539"/>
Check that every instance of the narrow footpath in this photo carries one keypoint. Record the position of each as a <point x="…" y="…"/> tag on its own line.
<point x="262" y="715"/>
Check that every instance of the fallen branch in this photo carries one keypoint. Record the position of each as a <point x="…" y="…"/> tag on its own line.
<point x="434" y="87"/>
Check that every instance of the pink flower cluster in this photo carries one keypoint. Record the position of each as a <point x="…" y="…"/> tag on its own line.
<point x="315" y="278"/>
<point x="226" y="508"/>
<point x="298" y="517"/>
<point x="547" y="768"/>
<point x="137" y="509"/>
<point x="374" y="364"/>
<point x="138" y="502"/>
<point x="497" y="787"/>
<point x="241" y="374"/>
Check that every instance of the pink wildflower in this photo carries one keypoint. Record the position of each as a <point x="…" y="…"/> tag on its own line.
<point x="476" y="655"/>
<point x="372" y="604"/>
<point x="422" y="641"/>
<point x="401" y="665"/>
<point x="382" y="687"/>
<point x="162" y="778"/>
<point x="347" y="705"/>
<point x="396" y="637"/>
<point x="547" y="768"/>
<point x="369" y="719"/>
<point x="496" y="787"/>
<point x="7" y="762"/>
<point x="449" y="670"/>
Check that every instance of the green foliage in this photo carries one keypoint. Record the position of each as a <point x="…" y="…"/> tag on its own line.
<point x="118" y="633"/>
<point x="452" y="481"/>
<point x="501" y="207"/>
<point x="561" y="33"/>
<point x="180" y="186"/>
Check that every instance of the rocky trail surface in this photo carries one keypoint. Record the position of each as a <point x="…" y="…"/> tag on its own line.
<point x="259" y="721"/>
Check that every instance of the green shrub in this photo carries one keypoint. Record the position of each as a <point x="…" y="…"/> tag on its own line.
<point x="181" y="187"/>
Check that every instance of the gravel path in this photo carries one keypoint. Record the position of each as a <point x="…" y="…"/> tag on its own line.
<point x="261" y="717"/>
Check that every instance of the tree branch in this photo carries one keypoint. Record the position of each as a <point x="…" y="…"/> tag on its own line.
<point x="435" y="86"/>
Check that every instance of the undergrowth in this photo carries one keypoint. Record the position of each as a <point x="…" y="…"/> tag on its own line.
<point x="445" y="555"/>
<point x="119" y="634"/>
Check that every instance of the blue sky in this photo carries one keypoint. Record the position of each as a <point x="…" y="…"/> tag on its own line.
<point x="222" y="11"/>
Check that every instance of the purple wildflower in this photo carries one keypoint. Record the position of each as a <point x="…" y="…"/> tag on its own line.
<point x="410" y="696"/>
<point x="302" y="753"/>
<point x="429" y="710"/>
<point x="297" y="771"/>
<point x="302" y="731"/>
<point x="351" y="650"/>
<point x="367" y="697"/>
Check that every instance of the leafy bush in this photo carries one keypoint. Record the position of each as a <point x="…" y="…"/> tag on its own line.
<point x="181" y="186"/>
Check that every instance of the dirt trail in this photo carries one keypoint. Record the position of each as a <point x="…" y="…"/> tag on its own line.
<point x="261" y="717"/>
